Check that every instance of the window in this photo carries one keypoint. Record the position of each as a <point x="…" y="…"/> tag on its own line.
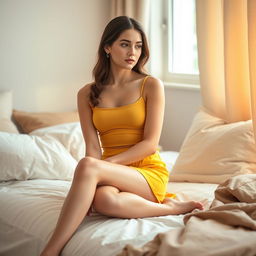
<point x="180" y="43"/>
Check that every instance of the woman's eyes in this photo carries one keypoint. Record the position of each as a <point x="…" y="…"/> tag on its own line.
<point x="124" y="44"/>
<point x="138" y="46"/>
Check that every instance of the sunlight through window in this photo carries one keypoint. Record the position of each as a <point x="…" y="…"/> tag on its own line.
<point x="183" y="43"/>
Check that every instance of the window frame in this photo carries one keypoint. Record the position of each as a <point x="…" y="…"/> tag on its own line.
<point x="176" y="79"/>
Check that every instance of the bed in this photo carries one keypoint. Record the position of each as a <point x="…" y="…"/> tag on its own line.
<point x="29" y="211"/>
<point x="36" y="169"/>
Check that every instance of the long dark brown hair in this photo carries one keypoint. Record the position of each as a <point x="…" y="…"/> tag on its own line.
<point x="101" y="70"/>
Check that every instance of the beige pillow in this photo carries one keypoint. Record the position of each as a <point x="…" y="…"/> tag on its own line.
<point x="6" y="125"/>
<point x="214" y="151"/>
<point x="28" y="122"/>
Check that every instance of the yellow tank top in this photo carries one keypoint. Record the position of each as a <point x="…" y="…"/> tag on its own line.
<point x="121" y="126"/>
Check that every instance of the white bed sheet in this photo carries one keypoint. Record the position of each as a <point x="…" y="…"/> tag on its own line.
<point x="29" y="211"/>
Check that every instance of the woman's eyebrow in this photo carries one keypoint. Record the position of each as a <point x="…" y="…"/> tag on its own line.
<point x="128" y="41"/>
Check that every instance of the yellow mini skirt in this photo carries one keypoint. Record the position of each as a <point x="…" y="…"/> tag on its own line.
<point x="153" y="170"/>
<point x="156" y="174"/>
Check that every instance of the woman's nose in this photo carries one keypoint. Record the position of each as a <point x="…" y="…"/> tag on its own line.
<point x="131" y="50"/>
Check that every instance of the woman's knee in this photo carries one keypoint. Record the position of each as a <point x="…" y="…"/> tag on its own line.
<point x="105" y="200"/>
<point x="86" y="167"/>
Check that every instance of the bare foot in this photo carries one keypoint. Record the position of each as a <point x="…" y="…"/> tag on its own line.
<point x="177" y="207"/>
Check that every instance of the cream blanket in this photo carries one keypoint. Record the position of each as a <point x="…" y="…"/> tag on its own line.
<point x="227" y="228"/>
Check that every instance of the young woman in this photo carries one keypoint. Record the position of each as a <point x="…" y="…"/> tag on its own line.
<point x="121" y="115"/>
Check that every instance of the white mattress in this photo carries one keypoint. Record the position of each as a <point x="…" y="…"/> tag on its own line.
<point x="29" y="211"/>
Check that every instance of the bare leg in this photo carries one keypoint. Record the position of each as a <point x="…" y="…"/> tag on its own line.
<point x="73" y="211"/>
<point x="89" y="174"/>
<point x="111" y="202"/>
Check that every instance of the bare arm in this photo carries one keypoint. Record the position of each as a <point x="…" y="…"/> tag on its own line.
<point x="89" y="132"/>
<point x="155" y="101"/>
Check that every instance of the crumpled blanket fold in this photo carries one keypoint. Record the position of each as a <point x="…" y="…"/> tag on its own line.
<point x="228" y="228"/>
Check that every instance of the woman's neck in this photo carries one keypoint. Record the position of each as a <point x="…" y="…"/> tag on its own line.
<point x="120" y="76"/>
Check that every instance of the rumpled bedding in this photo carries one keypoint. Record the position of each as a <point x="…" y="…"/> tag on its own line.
<point x="227" y="228"/>
<point x="29" y="211"/>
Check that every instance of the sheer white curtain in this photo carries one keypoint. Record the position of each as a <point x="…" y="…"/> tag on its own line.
<point x="137" y="9"/>
<point x="226" y="31"/>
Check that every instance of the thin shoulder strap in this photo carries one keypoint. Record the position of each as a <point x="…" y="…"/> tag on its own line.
<point x="142" y="86"/>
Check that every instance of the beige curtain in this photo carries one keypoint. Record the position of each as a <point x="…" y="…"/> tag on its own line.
<point x="137" y="9"/>
<point x="226" y="31"/>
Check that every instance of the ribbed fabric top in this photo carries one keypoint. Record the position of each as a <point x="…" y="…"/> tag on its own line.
<point x="121" y="126"/>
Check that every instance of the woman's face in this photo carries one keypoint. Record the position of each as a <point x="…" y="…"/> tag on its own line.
<point x="126" y="50"/>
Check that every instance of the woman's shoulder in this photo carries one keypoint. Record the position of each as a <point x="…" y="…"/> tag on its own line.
<point x="153" y="84"/>
<point x="84" y="92"/>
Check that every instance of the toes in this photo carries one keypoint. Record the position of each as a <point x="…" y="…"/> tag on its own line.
<point x="199" y="205"/>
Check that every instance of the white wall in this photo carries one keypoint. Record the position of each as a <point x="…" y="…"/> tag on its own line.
<point x="181" y="104"/>
<point x="48" y="50"/>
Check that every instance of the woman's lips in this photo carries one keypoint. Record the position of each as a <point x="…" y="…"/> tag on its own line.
<point x="130" y="61"/>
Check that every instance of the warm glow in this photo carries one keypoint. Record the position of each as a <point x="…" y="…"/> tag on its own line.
<point x="183" y="57"/>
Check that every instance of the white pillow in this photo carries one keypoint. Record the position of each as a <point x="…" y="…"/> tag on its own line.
<point x="69" y="135"/>
<point x="5" y="104"/>
<point x="25" y="157"/>
<point x="6" y="125"/>
<point x="214" y="150"/>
